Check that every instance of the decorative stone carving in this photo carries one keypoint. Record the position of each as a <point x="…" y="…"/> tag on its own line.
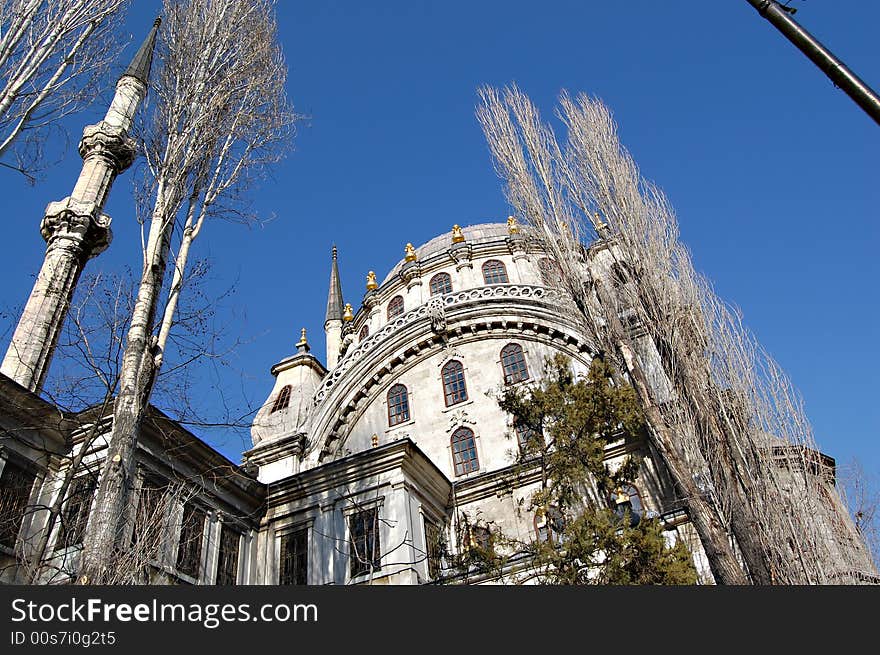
<point x="462" y="254"/>
<point x="77" y="221"/>
<point x="499" y="291"/>
<point x="437" y="314"/>
<point x="371" y="300"/>
<point x="347" y="340"/>
<point x="459" y="418"/>
<point x="110" y="143"/>
<point x="411" y="273"/>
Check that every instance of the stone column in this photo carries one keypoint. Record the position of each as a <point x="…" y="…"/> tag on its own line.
<point x="462" y="254"/>
<point x="411" y="276"/>
<point x="517" y="245"/>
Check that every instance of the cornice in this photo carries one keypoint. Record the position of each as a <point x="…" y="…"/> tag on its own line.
<point x="402" y="454"/>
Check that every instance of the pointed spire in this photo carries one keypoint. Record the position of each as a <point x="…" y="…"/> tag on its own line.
<point x="334" y="298"/>
<point x="139" y="68"/>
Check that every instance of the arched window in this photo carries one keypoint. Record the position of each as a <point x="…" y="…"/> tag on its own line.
<point x="626" y="501"/>
<point x="454" y="388"/>
<point x="513" y="363"/>
<point x="282" y="400"/>
<point x="440" y="283"/>
<point x="526" y="437"/>
<point x="551" y="274"/>
<point x="620" y="274"/>
<point x="464" y="451"/>
<point x="494" y="272"/>
<point x="365" y="332"/>
<point x="395" y="307"/>
<point x="398" y="405"/>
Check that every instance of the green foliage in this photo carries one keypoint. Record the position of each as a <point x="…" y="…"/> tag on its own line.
<point x="589" y="538"/>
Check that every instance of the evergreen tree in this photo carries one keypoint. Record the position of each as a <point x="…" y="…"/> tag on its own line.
<point x="590" y="532"/>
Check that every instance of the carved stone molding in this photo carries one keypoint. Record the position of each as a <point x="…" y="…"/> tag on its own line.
<point x="457" y="419"/>
<point x="437" y="314"/>
<point x="110" y="143"/>
<point x="492" y="292"/>
<point x="461" y="254"/>
<point x="371" y="299"/>
<point x="411" y="273"/>
<point x="81" y="222"/>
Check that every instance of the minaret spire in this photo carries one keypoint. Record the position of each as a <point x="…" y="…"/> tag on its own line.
<point x="139" y="68"/>
<point x="334" y="297"/>
<point x="76" y="228"/>
<point x="333" y="319"/>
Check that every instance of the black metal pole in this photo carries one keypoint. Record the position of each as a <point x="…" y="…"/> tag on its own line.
<point x="835" y="69"/>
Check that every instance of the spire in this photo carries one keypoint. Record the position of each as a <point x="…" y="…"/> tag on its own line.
<point x="334" y="298"/>
<point x="139" y="68"/>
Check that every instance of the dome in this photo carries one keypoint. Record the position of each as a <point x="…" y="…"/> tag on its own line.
<point x="473" y="234"/>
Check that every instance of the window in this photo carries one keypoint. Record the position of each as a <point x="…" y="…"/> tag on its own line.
<point x="227" y="556"/>
<point x="440" y="283"/>
<point x="294" y="558"/>
<point x="76" y="511"/>
<point x="480" y="538"/>
<point x="365" y="332"/>
<point x="15" y="491"/>
<point x="189" y="548"/>
<point x="433" y="548"/>
<point x="454" y="389"/>
<point x="464" y="451"/>
<point x="620" y="274"/>
<point x="549" y="524"/>
<point x="551" y="274"/>
<point x="626" y="501"/>
<point x="364" y="548"/>
<point x="526" y="437"/>
<point x="494" y="272"/>
<point x="282" y="400"/>
<point x="395" y="307"/>
<point x="398" y="405"/>
<point x="513" y="364"/>
<point x="149" y="526"/>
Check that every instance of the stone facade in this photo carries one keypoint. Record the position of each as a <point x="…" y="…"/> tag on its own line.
<point x="377" y="469"/>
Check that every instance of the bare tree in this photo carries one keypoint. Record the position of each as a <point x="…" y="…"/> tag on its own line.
<point x="861" y="493"/>
<point x="221" y="115"/>
<point x="44" y="513"/>
<point x="52" y="54"/>
<point x="724" y="417"/>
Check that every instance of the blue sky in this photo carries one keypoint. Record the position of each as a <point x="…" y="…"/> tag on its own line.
<point x="773" y="171"/>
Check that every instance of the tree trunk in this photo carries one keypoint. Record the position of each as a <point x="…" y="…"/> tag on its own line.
<point x="722" y="560"/>
<point x="104" y="535"/>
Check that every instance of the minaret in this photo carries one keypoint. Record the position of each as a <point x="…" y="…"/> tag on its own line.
<point x="333" y="320"/>
<point x="76" y="229"/>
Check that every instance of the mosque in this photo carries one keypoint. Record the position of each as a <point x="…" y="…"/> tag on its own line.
<point x="374" y="464"/>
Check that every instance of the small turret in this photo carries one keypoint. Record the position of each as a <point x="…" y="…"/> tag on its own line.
<point x="288" y="408"/>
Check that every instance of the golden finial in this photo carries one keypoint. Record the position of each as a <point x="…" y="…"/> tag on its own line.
<point x="371" y="281"/>
<point x="512" y="227"/>
<point x="302" y="339"/>
<point x="601" y="226"/>
<point x="457" y="235"/>
<point x="410" y="252"/>
<point x="347" y="315"/>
